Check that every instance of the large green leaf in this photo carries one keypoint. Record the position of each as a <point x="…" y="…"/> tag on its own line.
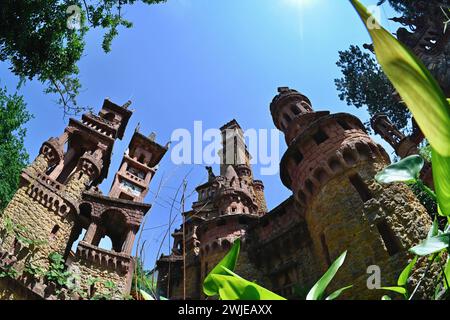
<point x="423" y="96"/>
<point x="210" y="287"/>
<point x="337" y="293"/>
<point x="432" y="245"/>
<point x="233" y="287"/>
<point x="441" y="177"/>
<point x="400" y="290"/>
<point x="404" y="276"/>
<point x="406" y="170"/>
<point x="318" y="290"/>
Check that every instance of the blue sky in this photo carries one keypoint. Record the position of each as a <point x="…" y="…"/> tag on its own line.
<point x="208" y="60"/>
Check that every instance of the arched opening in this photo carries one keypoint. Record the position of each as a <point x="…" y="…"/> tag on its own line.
<point x="106" y="244"/>
<point x="109" y="116"/>
<point x="79" y="231"/>
<point x="363" y="151"/>
<point x="320" y="136"/>
<point x="309" y="186"/>
<point x="389" y="239"/>
<point x="321" y="175"/>
<point x="298" y="157"/>
<point x="295" y="110"/>
<point x="344" y="125"/>
<point x="179" y="246"/>
<point x="112" y="231"/>
<point x="226" y="244"/>
<point x="349" y="156"/>
<point x="361" y="187"/>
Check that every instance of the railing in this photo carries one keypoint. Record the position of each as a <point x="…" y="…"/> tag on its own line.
<point x="50" y="182"/>
<point x="106" y="258"/>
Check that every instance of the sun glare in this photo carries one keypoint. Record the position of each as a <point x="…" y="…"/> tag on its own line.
<point x="299" y="3"/>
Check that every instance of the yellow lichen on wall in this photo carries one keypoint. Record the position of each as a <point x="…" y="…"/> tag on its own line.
<point x="35" y="222"/>
<point x="85" y="273"/>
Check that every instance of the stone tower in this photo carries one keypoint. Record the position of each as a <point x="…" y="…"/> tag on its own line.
<point x="330" y="166"/>
<point x="46" y="204"/>
<point x="226" y="205"/>
<point x="58" y="197"/>
<point x="118" y="216"/>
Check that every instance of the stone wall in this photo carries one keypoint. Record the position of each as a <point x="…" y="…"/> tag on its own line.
<point x="38" y="223"/>
<point x="378" y="231"/>
<point x="85" y="272"/>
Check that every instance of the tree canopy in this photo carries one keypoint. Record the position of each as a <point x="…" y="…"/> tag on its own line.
<point x="13" y="157"/>
<point x="36" y="37"/>
<point x="364" y="84"/>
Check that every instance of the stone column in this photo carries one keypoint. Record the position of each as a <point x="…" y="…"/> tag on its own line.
<point x="129" y="241"/>
<point x="63" y="138"/>
<point x="90" y="233"/>
<point x="57" y="171"/>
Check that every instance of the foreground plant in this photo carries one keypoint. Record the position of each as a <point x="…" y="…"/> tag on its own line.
<point x="223" y="282"/>
<point x="431" y="110"/>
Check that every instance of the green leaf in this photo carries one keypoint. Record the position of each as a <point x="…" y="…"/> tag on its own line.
<point x="145" y="295"/>
<point x="337" y="293"/>
<point x="407" y="170"/>
<point x="386" y="298"/>
<point x="441" y="177"/>
<point x="434" y="231"/>
<point x="400" y="290"/>
<point x="447" y="272"/>
<point x="319" y="288"/>
<point x="233" y="287"/>
<point x="423" y="96"/>
<point x="432" y="245"/>
<point x="210" y="287"/>
<point x="404" y="276"/>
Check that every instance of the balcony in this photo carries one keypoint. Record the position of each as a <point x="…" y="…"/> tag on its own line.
<point x="108" y="259"/>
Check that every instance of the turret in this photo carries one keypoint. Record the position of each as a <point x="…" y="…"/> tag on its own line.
<point x="139" y="165"/>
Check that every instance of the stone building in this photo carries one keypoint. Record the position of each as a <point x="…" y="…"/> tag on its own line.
<point x="58" y="197"/>
<point x="335" y="206"/>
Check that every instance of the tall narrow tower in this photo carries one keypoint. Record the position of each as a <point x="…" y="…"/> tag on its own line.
<point x="227" y="204"/>
<point x="117" y="216"/>
<point x="138" y="167"/>
<point x="330" y="166"/>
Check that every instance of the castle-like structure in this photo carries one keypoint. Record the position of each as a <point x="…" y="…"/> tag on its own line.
<point x="58" y="197"/>
<point x="335" y="206"/>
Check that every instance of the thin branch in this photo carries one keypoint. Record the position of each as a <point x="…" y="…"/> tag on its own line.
<point x="430" y="263"/>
